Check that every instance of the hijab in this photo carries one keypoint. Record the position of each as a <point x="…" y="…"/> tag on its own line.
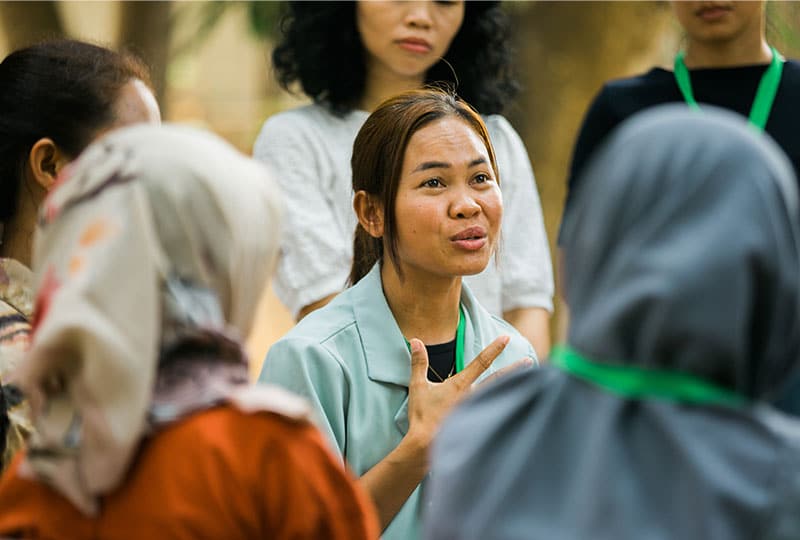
<point x="683" y="253"/>
<point x="149" y="260"/>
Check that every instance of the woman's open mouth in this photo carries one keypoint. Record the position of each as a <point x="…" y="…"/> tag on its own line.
<point x="471" y="239"/>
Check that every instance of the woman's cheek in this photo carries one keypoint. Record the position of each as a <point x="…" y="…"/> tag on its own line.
<point x="494" y="210"/>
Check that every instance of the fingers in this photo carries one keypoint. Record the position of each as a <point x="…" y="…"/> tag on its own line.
<point x="419" y="361"/>
<point x="482" y="362"/>
<point x="519" y="364"/>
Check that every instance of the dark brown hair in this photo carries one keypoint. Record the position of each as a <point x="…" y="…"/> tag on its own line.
<point x="64" y="90"/>
<point x="377" y="162"/>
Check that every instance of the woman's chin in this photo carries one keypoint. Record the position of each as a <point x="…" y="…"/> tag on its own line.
<point x="470" y="268"/>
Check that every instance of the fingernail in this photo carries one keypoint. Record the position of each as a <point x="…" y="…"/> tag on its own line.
<point x="416" y="345"/>
<point x="505" y="339"/>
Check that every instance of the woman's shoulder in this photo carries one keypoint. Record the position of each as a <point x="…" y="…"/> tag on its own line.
<point x="518" y="347"/>
<point x="512" y="156"/>
<point x="323" y="324"/>
<point x="16" y="287"/>
<point x="620" y="98"/>
<point x="307" y="127"/>
<point x="291" y="121"/>
<point x="488" y="327"/>
<point x="791" y="71"/>
<point x="314" y="117"/>
<point x="500" y="130"/>
<point x="643" y="82"/>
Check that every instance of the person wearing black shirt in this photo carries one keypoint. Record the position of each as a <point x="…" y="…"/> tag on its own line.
<point x="727" y="56"/>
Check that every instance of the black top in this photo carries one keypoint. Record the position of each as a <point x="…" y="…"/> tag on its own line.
<point x="441" y="360"/>
<point x="731" y="88"/>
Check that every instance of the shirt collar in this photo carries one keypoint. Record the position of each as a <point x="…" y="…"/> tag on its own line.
<point x="388" y="358"/>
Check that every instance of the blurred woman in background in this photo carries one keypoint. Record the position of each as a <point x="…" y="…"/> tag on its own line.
<point x="726" y="62"/>
<point x="55" y="98"/>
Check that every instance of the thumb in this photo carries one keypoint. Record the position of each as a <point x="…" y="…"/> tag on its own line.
<point x="419" y="361"/>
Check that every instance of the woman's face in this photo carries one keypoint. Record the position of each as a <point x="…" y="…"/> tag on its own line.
<point x="448" y="207"/>
<point x="718" y="21"/>
<point x="406" y="38"/>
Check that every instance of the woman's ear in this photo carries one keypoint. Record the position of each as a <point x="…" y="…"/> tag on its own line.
<point x="46" y="160"/>
<point x="369" y="213"/>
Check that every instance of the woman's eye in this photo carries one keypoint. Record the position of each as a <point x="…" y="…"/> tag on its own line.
<point x="432" y="183"/>
<point x="482" y="178"/>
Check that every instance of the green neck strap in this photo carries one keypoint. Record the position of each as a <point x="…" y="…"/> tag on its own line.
<point x="462" y="323"/>
<point x="765" y="95"/>
<point x="641" y="383"/>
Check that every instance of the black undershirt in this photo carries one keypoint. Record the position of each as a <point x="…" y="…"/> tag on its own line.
<point x="442" y="359"/>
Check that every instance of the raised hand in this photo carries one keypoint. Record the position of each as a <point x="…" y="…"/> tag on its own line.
<point x="429" y="402"/>
<point x="392" y="480"/>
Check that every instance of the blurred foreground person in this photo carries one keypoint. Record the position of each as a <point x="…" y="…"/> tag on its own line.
<point x="147" y="272"/>
<point x="55" y="98"/>
<point x="682" y="277"/>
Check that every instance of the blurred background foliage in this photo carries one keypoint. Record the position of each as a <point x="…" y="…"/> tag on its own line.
<point x="211" y="68"/>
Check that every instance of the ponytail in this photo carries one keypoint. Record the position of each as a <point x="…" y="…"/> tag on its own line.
<point x="367" y="250"/>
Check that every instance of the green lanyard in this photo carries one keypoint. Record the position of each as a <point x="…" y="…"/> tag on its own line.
<point x="462" y="323"/>
<point x="765" y="95"/>
<point x="638" y="383"/>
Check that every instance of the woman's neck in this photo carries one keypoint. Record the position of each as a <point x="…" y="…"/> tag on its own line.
<point x="18" y="231"/>
<point x="738" y="52"/>
<point x="382" y="84"/>
<point x="424" y="306"/>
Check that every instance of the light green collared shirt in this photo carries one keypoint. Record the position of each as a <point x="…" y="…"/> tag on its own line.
<point x="351" y="361"/>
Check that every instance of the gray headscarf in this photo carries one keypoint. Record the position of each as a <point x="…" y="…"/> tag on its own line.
<point x="681" y="255"/>
<point x="682" y="252"/>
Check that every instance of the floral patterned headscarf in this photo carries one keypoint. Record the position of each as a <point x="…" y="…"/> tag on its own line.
<point x="152" y="250"/>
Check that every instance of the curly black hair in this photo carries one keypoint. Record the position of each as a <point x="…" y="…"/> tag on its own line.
<point x="320" y="48"/>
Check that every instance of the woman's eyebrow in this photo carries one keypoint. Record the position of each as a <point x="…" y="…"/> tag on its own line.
<point x="477" y="161"/>
<point x="424" y="166"/>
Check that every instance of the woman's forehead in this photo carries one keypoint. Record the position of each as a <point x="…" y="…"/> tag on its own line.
<point x="448" y="140"/>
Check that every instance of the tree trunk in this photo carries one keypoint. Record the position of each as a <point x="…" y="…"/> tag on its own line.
<point x="25" y="23"/>
<point x="145" y="29"/>
<point x="567" y="50"/>
<point x="783" y="27"/>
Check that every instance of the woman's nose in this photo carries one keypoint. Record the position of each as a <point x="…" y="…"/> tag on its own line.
<point x="418" y="14"/>
<point x="464" y="206"/>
